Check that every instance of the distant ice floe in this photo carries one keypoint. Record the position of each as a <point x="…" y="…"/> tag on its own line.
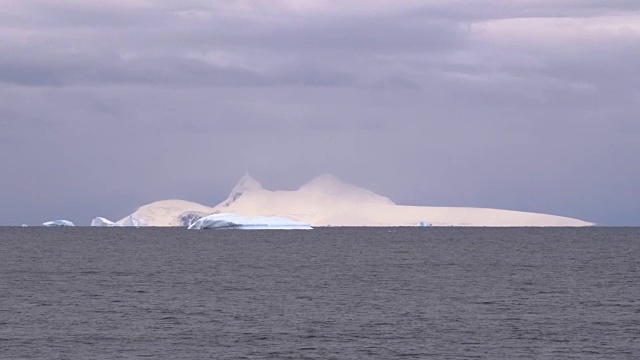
<point x="58" y="223"/>
<point x="234" y="221"/>
<point x="100" y="221"/>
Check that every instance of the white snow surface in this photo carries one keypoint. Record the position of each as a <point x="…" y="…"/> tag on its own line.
<point x="57" y="223"/>
<point x="327" y="201"/>
<point x="100" y="221"/>
<point x="165" y="212"/>
<point x="235" y="221"/>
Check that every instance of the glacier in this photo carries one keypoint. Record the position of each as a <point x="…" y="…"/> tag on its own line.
<point x="100" y="221"/>
<point x="234" y="221"/>
<point x="57" y="223"/>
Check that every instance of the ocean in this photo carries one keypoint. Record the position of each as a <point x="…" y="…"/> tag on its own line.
<point x="329" y="293"/>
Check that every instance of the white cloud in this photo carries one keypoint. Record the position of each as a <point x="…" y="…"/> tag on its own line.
<point x="550" y="31"/>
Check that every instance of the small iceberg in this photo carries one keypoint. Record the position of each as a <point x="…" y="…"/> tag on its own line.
<point x="234" y="221"/>
<point x="424" y="224"/>
<point x="133" y="220"/>
<point x="58" y="223"/>
<point x="100" y="221"/>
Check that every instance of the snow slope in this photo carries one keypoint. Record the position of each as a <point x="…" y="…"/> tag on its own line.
<point x="168" y="213"/>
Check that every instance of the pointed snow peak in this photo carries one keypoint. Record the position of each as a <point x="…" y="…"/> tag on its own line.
<point x="246" y="183"/>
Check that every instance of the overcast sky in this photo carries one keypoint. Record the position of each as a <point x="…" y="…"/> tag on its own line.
<point x="530" y="105"/>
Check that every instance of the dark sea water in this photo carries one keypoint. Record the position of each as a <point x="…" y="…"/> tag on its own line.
<point x="412" y="293"/>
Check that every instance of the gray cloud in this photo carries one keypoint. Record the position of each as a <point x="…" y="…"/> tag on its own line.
<point x="104" y="108"/>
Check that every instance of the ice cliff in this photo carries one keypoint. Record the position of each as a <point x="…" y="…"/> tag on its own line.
<point x="234" y="221"/>
<point x="58" y="223"/>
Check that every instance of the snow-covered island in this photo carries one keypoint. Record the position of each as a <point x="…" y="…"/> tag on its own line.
<point x="327" y="201"/>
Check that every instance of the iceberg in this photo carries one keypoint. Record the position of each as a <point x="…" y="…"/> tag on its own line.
<point x="234" y="221"/>
<point x="100" y="221"/>
<point x="57" y="223"/>
<point x="189" y="217"/>
<point x="133" y="220"/>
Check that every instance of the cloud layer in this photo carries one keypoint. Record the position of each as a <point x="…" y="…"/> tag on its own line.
<point x="531" y="105"/>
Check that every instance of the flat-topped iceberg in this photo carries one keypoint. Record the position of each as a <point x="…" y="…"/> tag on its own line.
<point x="100" y="221"/>
<point x="56" y="223"/>
<point x="234" y="221"/>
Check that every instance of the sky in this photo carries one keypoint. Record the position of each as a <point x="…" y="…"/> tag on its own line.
<point x="530" y="105"/>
